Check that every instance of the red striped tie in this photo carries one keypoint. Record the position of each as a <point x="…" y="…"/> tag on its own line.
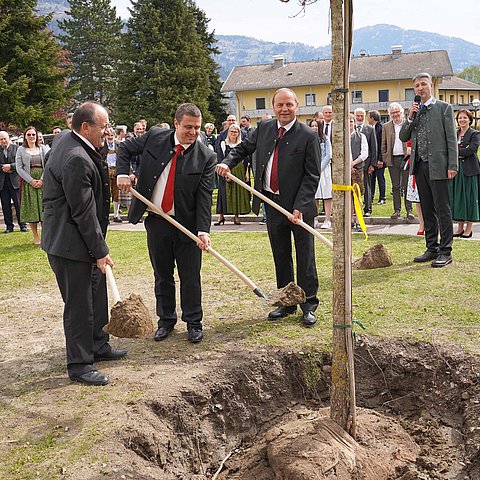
<point x="167" y="200"/>
<point x="274" y="172"/>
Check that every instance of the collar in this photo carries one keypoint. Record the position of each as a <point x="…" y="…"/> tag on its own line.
<point x="84" y="140"/>
<point x="288" y="126"/>
<point x="430" y="101"/>
<point x="176" y="142"/>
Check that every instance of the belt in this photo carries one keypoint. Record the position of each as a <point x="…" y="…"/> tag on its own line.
<point x="270" y="195"/>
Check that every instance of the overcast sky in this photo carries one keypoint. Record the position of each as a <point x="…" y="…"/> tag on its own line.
<point x="271" y="20"/>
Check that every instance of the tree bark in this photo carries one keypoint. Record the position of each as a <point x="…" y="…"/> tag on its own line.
<point x="342" y="409"/>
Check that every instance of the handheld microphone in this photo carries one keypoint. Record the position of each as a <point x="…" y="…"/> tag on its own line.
<point x="417" y="99"/>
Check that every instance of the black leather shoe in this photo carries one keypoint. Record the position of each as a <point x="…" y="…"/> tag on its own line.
<point x="23" y="228"/>
<point x="442" y="261"/>
<point x="8" y="230"/>
<point x="162" y="333"/>
<point x="282" y="312"/>
<point x="195" y="334"/>
<point x="426" y="257"/>
<point x="308" y="319"/>
<point x="94" y="378"/>
<point x="113" y="354"/>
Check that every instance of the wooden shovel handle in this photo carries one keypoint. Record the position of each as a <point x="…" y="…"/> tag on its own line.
<point x="210" y="250"/>
<point x="112" y="284"/>
<point x="275" y="205"/>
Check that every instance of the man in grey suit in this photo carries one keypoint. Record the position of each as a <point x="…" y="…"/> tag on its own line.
<point x="75" y="218"/>
<point x="287" y="171"/>
<point x="434" y="160"/>
<point x="9" y="183"/>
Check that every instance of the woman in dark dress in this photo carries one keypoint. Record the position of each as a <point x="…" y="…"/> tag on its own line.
<point x="232" y="198"/>
<point x="464" y="188"/>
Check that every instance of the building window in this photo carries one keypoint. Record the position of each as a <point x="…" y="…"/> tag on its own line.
<point x="260" y="103"/>
<point x="462" y="100"/>
<point x="471" y="98"/>
<point x="357" y="96"/>
<point x="440" y="97"/>
<point x="452" y="99"/>
<point x="409" y="94"/>
<point x="383" y="95"/>
<point x="310" y="99"/>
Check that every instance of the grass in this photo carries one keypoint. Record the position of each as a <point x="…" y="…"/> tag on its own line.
<point x="406" y="300"/>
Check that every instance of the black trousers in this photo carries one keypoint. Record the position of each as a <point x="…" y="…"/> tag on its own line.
<point x="437" y="214"/>
<point x="378" y="174"/>
<point x="280" y="231"/>
<point x="7" y="194"/>
<point x="84" y="292"/>
<point x="168" y="246"/>
<point x="367" y="192"/>
<point x="399" y="178"/>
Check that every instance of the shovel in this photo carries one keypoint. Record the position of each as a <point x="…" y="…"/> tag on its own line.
<point x="275" y="205"/>
<point x="187" y="232"/>
<point x="129" y="318"/>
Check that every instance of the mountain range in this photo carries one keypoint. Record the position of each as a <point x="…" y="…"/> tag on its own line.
<point x="373" y="40"/>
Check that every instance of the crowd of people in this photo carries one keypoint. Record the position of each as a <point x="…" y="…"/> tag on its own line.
<point x="70" y="187"/>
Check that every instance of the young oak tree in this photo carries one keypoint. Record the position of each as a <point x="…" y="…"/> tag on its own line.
<point x="164" y="62"/>
<point x="92" y="35"/>
<point x="33" y="67"/>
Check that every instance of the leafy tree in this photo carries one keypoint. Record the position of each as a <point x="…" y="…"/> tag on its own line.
<point x="33" y="67"/>
<point x="92" y="34"/>
<point x="164" y="62"/>
<point x="471" y="73"/>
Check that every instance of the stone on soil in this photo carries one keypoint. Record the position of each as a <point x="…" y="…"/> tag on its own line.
<point x="375" y="257"/>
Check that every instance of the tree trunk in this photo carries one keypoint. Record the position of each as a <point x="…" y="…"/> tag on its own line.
<point x="342" y="409"/>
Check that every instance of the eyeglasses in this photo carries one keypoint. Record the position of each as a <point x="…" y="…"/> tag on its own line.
<point x="31" y="134"/>
<point x="102" y="127"/>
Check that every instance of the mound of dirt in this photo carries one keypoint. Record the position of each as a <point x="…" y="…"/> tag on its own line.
<point x="130" y="318"/>
<point x="287" y="296"/>
<point x="375" y="257"/>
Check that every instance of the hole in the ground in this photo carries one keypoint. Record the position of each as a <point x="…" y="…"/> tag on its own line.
<point x="261" y="416"/>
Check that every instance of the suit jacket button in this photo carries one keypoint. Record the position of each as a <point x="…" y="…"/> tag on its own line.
<point x="154" y="176"/>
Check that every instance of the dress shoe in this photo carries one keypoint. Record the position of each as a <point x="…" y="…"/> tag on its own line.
<point x="410" y="217"/>
<point x="8" y="230"/>
<point x="282" y="312"/>
<point x="442" y="261"/>
<point x="94" y="378"/>
<point x="395" y="215"/>
<point x="421" y="232"/>
<point x="308" y="319"/>
<point x="195" y="334"/>
<point x="220" y="222"/>
<point x="23" y="228"/>
<point x="113" y="354"/>
<point x="117" y="219"/>
<point x="458" y="234"/>
<point x="466" y="236"/>
<point x="426" y="257"/>
<point x="163" y="332"/>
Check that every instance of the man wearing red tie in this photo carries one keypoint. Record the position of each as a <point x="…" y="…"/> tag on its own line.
<point x="287" y="171"/>
<point x="176" y="175"/>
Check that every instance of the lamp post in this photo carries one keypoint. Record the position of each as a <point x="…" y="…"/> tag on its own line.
<point x="476" y="105"/>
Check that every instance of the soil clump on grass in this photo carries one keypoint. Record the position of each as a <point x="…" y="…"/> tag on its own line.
<point x="375" y="257"/>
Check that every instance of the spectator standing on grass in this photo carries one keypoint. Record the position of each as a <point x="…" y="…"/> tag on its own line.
<point x="434" y="160"/>
<point x="464" y="188"/>
<point x="9" y="183"/>
<point x="394" y="153"/>
<point x="30" y="162"/>
<point x="378" y="174"/>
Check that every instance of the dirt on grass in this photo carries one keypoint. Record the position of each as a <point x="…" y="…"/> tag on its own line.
<point x="174" y="410"/>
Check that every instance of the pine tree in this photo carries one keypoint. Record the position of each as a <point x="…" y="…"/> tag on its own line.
<point x="164" y="62"/>
<point x="92" y="35"/>
<point x="33" y="68"/>
<point x="216" y="100"/>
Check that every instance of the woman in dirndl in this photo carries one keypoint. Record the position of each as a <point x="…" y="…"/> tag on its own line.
<point x="30" y="162"/>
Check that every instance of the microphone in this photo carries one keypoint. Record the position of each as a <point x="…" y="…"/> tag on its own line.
<point x="417" y="99"/>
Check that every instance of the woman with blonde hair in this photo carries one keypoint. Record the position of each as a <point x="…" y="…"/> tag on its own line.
<point x="30" y="162"/>
<point x="232" y="198"/>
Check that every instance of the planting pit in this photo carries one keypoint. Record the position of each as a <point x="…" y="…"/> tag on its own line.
<point x="264" y="416"/>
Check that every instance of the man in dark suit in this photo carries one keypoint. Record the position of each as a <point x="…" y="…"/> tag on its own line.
<point x="434" y="161"/>
<point x="287" y="171"/>
<point x="75" y="218"/>
<point x="9" y="183"/>
<point x="177" y="175"/>
<point x="379" y="170"/>
<point x="370" y="162"/>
